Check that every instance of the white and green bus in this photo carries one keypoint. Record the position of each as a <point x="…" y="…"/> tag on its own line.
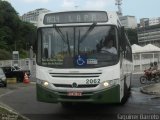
<point x="73" y="67"/>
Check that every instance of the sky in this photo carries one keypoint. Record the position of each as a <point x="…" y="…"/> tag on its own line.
<point x="137" y="8"/>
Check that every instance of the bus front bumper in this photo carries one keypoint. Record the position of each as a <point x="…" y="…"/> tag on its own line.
<point x="108" y="95"/>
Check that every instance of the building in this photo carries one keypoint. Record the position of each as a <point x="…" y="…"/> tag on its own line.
<point x="154" y="21"/>
<point x="128" y="21"/>
<point x="32" y="16"/>
<point x="149" y="31"/>
<point x="145" y="22"/>
<point x="149" y="35"/>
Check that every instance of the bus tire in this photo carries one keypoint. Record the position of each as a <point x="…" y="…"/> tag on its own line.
<point x="126" y="94"/>
<point x="5" y="85"/>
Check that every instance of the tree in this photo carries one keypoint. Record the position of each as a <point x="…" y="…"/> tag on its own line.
<point x="28" y="31"/>
<point x="5" y="55"/>
<point x="14" y="33"/>
<point x="9" y="21"/>
<point x="3" y="44"/>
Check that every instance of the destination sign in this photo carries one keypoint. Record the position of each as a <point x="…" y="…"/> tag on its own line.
<point x="75" y="17"/>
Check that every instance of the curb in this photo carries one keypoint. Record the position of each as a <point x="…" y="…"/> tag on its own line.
<point x="145" y="89"/>
<point x="11" y="110"/>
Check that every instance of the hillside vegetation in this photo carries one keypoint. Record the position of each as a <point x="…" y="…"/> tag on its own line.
<point x="14" y="33"/>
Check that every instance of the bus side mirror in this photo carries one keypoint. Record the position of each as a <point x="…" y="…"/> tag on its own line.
<point x="46" y="53"/>
<point x="123" y="39"/>
<point x="35" y="46"/>
<point x="35" y="43"/>
<point x="32" y="39"/>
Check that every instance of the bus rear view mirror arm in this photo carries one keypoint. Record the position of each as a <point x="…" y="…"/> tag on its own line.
<point x="123" y="38"/>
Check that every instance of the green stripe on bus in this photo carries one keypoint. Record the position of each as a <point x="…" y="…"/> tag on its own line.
<point x="108" y="95"/>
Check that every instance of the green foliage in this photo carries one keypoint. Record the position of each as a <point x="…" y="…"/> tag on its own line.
<point x="23" y="54"/>
<point x="14" y="33"/>
<point x="5" y="55"/>
<point x="3" y="44"/>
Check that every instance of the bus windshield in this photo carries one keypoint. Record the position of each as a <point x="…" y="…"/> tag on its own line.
<point x="89" y="46"/>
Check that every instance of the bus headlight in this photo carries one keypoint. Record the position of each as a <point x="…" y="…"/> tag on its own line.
<point x="109" y="83"/>
<point x="46" y="83"/>
<point x="43" y="83"/>
<point x="106" y="84"/>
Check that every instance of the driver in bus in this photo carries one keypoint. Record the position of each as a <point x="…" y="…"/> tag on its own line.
<point x="108" y="46"/>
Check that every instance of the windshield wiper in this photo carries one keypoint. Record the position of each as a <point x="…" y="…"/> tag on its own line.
<point x="81" y="39"/>
<point x="69" y="50"/>
<point x="60" y="33"/>
<point x="88" y="31"/>
<point x="63" y="37"/>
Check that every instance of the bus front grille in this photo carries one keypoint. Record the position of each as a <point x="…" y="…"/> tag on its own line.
<point x="75" y="75"/>
<point x="79" y="86"/>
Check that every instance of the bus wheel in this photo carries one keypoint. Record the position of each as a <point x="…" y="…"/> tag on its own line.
<point x="5" y="85"/>
<point x="126" y="94"/>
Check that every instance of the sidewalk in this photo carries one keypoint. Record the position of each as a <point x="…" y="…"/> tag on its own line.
<point x="152" y="89"/>
<point x="7" y="113"/>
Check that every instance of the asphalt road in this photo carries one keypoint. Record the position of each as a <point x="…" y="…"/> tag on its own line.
<point x="138" y="106"/>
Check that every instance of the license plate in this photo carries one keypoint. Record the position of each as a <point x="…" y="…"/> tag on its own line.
<point x="74" y="94"/>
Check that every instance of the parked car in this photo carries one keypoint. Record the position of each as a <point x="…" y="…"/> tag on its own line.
<point x="15" y="71"/>
<point x="3" y="80"/>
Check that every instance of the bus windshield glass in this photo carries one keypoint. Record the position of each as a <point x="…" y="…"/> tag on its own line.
<point x="89" y="46"/>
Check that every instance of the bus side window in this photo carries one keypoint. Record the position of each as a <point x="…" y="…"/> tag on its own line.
<point x="128" y="53"/>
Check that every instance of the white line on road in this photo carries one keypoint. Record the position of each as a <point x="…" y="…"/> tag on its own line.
<point x="6" y="93"/>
